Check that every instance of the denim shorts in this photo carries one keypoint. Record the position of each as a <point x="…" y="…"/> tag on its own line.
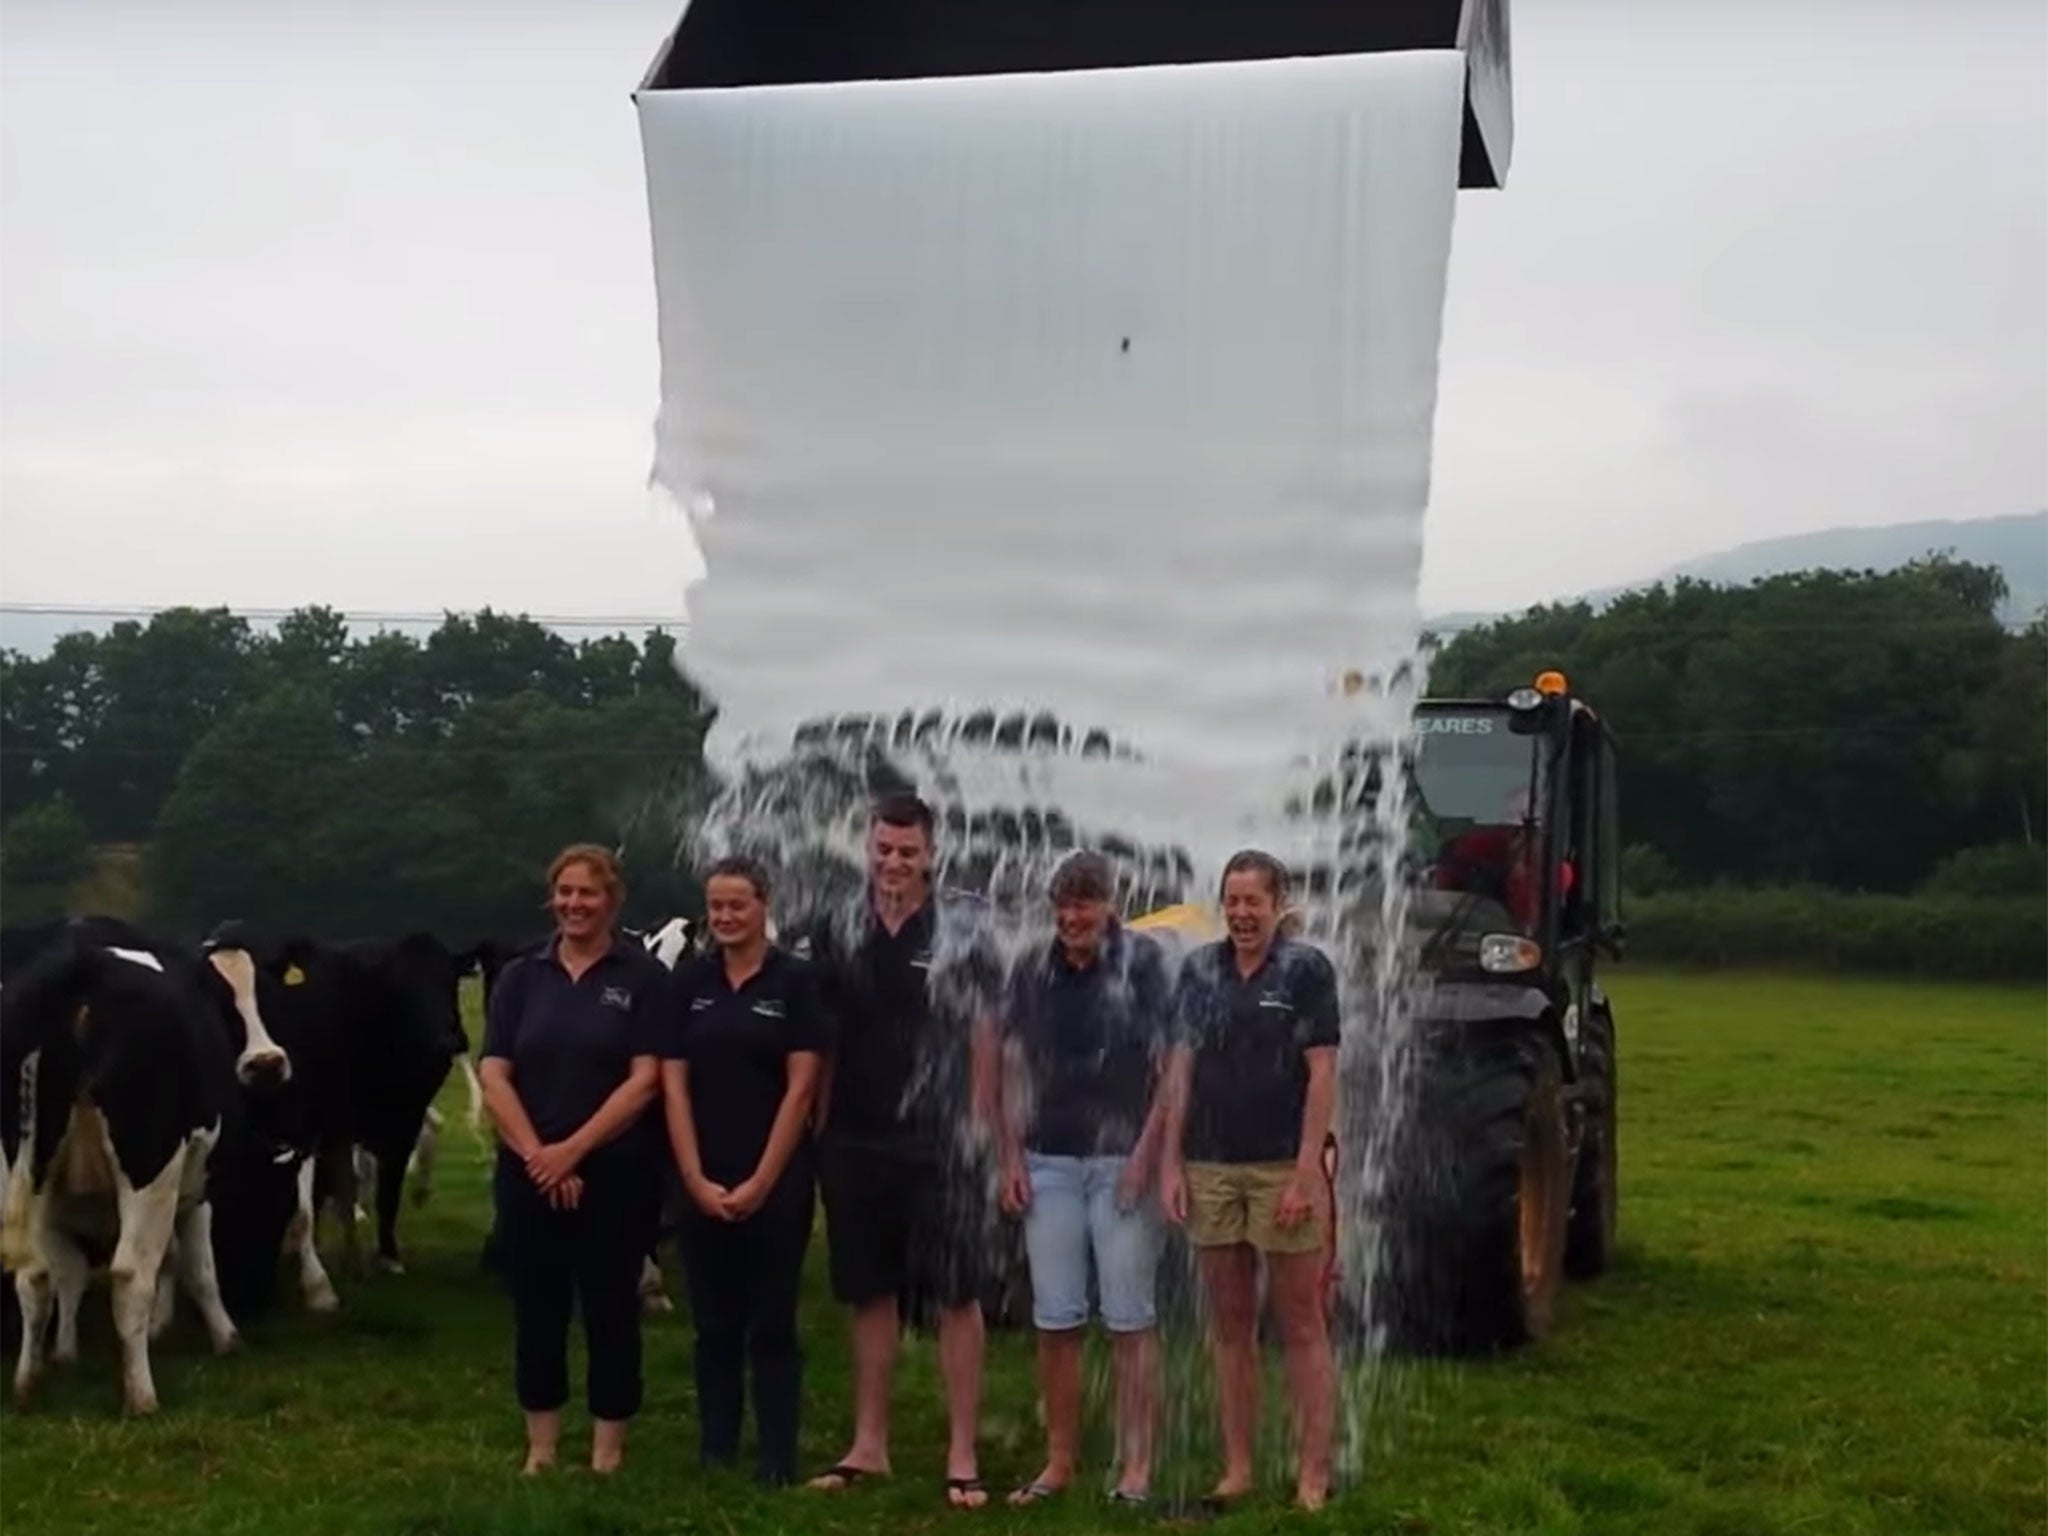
<point x="1073" y="1217"/>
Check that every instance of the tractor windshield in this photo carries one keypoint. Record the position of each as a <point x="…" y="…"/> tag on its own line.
<point x="1476" y="827"/>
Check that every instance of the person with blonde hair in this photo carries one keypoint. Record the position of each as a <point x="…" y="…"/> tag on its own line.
<point x="571" y="1064"/>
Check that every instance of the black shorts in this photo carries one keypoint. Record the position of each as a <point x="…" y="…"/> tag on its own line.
<point x="905" y="1223"/>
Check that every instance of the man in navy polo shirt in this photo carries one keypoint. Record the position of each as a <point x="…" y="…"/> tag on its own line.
<point x="909" y="988"/>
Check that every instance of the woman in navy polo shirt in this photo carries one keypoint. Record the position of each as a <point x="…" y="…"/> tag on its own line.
<point x="747" y="1051"/>
<point x="1251" y="1085"/>
<point x="570" y="1066"/>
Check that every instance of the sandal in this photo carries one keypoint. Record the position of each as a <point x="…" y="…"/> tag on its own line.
<point x="849" y="1477"/>
<point x="958" y="1487"/>
<point x="1035" y="1493"/>
<point x="1131" y="1499"/>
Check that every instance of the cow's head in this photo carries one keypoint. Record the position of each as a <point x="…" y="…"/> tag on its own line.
<point x="260" y="1062"/>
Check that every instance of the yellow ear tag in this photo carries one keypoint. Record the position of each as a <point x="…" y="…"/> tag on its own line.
<point x="294" y="977"/>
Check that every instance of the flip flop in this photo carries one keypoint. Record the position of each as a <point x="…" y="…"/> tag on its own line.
<point x="1130" y="1499"/>
<point x="963" y="1485"/>
<point x="849" y="1477"/>
<point x="1034" y="1493"/>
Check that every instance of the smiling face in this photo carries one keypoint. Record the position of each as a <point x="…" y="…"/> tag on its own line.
<point x="899" y="862"/>
<point x="1081" y="922"/>
<point x="735" y="912"/>
<point x="582" y="903"/>
<point x="1251" y="911"/>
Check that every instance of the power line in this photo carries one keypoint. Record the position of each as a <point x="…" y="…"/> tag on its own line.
<point x="354" y="615"/>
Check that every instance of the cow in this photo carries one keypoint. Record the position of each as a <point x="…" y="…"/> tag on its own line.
<point x="123" y="1068"/>
<point x="374" y="1027"/>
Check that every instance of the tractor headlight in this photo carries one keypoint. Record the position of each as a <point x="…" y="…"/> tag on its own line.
<point x="1523" y="700"/>
<point x="1508" y="954"/>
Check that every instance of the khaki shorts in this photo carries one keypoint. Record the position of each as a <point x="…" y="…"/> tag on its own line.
<point x="1237" y="1203"/>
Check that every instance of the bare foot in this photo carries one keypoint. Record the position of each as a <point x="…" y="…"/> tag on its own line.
<point x="539" y="1460"/>
<point x="964" y="1491"/>
<point x="1312" y="1496"/>
<point x="850" y="1470"/>
<point x="607" y="1446"/>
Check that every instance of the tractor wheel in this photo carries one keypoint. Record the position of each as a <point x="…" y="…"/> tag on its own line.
<point x="1589" y="1238"/>
<point x="1479" y="1252"/>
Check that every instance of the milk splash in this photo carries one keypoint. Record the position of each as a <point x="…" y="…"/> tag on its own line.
<point x="1058" y="447"/>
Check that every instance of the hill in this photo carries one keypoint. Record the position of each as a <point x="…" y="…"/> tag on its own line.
<point x="2017" y="545"/>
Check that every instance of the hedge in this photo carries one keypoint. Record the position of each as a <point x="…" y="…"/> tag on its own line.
<point x="1928" y="934"/>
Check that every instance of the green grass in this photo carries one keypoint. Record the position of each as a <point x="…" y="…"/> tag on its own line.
<point x="1830" y="1315"/>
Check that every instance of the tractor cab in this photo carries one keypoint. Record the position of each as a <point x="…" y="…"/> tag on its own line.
<point x="1513" y="835"/>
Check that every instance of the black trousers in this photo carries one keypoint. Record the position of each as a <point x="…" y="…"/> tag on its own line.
<point x="555" y="1261"/>
<point x="744" y="1280"/>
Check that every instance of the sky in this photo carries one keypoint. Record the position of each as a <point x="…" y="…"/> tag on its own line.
<point x="313" y="302"/>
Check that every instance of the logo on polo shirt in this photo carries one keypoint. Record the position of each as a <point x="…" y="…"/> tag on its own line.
<point x="922" y="962"/>
<point x="769" y="1008"/>
<point x="699" y="1004"/>
<point x="1275" y="1000"/>
<point x="616" y="997"/>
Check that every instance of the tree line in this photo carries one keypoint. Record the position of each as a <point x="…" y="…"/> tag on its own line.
<point x="1857" y="731"/>
<point x="352" y="785"/>
<point x="1853" y="731"/>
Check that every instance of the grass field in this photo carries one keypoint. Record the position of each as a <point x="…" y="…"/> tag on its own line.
<point x="1830" y="1315"/>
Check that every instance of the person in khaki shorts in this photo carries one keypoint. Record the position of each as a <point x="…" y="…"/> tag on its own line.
<point x="1250" y="1086"/>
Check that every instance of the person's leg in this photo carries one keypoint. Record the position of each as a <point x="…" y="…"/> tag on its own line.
<point x="716" y="1265"/>
<point x="535" y="1260"/>
<point x="1056" y="1251"/>
<point x="1126" y="1247"/>
<point x="782" y="1233"/>
<point x="1297" y="1289"/>
<point x="949" y="1232"/>
<point x="867" y="1228"/>
<point x="1230" y="1277"/>
<point x="1296" y="1258"/>
<point x="614" y="1225"/>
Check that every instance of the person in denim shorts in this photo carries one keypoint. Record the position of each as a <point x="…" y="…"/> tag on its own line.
<point x="1084" y="1044"/>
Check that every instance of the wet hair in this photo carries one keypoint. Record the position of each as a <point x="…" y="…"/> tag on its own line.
<point x="603" y="863"/>
<point x="1083" y="875"/>
<point x="1256" y="862"/>
<point x="737" y="866"/>
<point x="904" y="810"/>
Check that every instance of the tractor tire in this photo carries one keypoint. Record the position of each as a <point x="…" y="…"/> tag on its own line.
<point x="1478" y="1255"/>
<point x="1596" y="1185"/>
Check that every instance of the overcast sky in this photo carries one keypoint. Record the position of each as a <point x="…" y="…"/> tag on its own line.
<point x="352" y="303"/>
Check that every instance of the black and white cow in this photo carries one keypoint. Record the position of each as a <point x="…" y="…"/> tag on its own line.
<point x="123" y="1068"/>
<point x="373" y="1029"/>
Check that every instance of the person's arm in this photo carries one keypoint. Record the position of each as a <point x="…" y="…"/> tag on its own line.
<point x="614" y="1117"/>
<point x="1013" y="1186"/>
<point x="783" y="1136"/>
<point x="1176" y="1088"/>
<point x="1298" y="1197"/>
<point x="501" y="1103"/>
<point x="682" y="1139"/>
<point x="831" y="1019"/>
<point x="1318" y="1036"/>
<point x="494" y="1070"/>
<point x="1149" y="996"/>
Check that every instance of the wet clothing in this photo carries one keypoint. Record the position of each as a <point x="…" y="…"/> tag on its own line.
<point x="587" y="1260"/>
<point x="903" y="1221"/>
<point x="738" y="1042"/>
<point x="905" y="1211"/>
<point x="1093" y="1039"/>
<point x="745" y="1276"/>
<point x="1249" y="1035"/>
<point x="902" y="1005"/>
<point x="1075" y="1223"/>
<point x="572" y="1042"/>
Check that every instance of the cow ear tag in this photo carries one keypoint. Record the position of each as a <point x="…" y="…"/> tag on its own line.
<point x="294" y="977"/>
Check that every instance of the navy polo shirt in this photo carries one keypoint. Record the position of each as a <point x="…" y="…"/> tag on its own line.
<point x="738" y="1042"/>
<point x="1249" y="1034"/>
<point x="572" y="1043"/>
<point x="1092" y="1038"/>
<point x="901" y="1006"/>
